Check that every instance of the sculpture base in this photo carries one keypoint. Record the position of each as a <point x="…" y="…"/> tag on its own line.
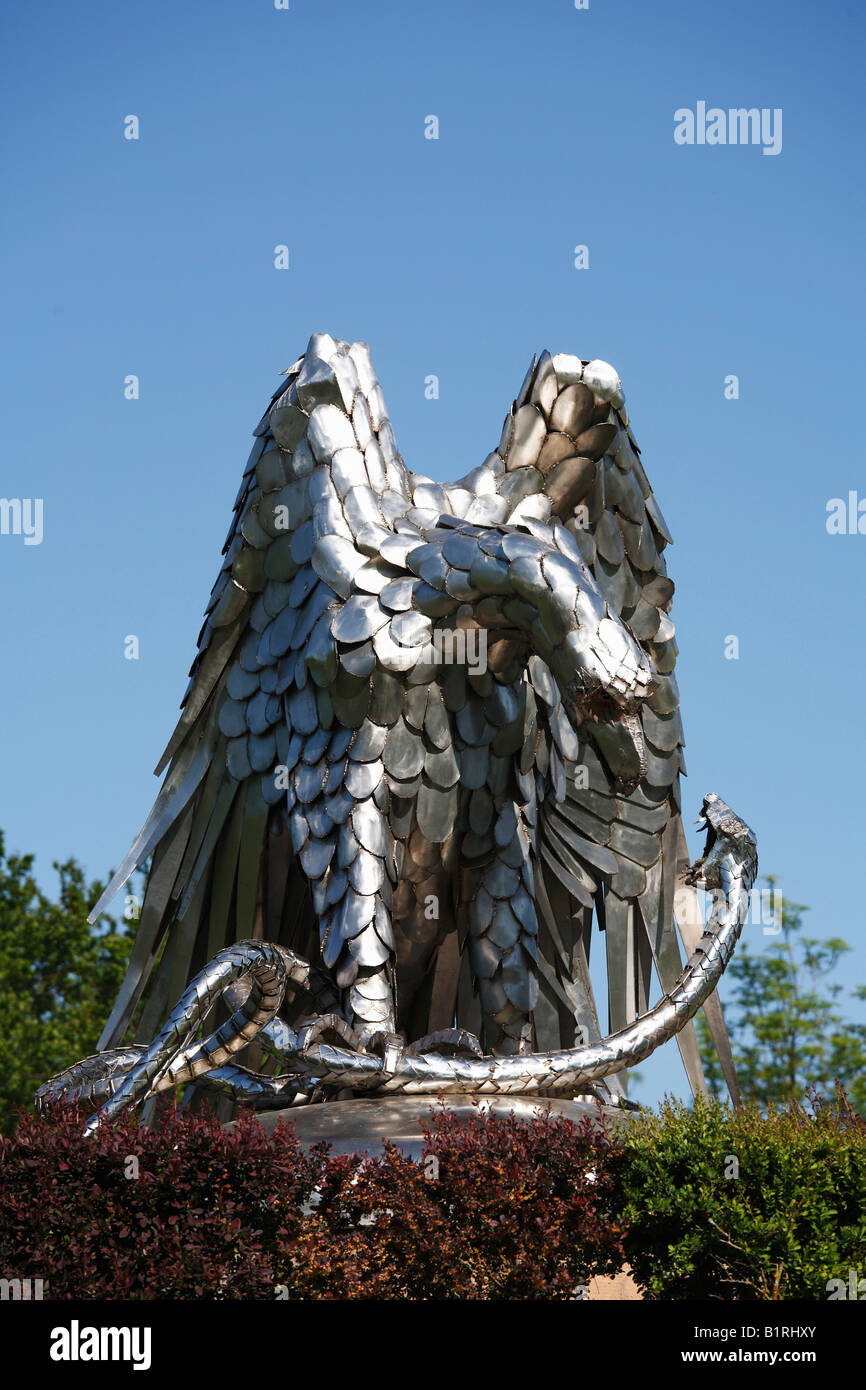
<point x="361" y="1126"/>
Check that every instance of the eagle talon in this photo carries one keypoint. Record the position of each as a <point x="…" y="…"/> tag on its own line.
<point x="316" y="1031"/>
<point x="389" y="1046"/>
<point x="459" y="1039"/>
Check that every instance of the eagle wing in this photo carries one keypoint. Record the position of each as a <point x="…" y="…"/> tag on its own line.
<point x="320" y="492"/>
<point x="610" y="844"/>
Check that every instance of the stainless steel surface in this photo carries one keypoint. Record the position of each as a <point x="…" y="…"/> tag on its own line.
<point x="431" y="731"/>
<point x="361" y="1126"/>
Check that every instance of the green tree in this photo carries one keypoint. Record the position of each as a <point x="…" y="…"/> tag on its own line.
<point x="59" y="976"/>
<point x="787" y="1031"/>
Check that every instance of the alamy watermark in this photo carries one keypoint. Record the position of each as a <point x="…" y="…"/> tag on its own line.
<point x="712" y="125"/>
<point x="22" y="516"/>
<point x="692" y="907"/>
<point x="21" y="1290"/>
<point x="846" y="516"/>
<point x="77" y="1343"/>
<point x="448" y="646"/>
<point x="853" y="1290"/>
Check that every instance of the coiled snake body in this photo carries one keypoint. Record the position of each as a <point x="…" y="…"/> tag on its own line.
<point x="128" y="1075"/>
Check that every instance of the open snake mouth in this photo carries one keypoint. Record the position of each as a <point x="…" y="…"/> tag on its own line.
<point x="709" y="820"/>
<point x="703" y="824"/>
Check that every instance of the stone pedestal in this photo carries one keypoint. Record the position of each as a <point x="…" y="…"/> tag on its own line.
<point x="360" y="1126"/>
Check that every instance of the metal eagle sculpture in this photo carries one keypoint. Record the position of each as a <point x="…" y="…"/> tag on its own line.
<point x="431" y="735"/>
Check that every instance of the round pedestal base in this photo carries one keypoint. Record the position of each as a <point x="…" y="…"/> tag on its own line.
<point x="361" y="1126"/>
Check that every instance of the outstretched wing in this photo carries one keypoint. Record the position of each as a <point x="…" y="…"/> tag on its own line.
<point x="319" y="494"/>
<point x="567" y="453"/>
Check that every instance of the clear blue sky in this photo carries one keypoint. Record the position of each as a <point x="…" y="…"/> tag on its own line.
<point x="454" y="257"/>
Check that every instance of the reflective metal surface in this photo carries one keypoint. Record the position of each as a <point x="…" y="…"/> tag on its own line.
<point x="431" y="734"/>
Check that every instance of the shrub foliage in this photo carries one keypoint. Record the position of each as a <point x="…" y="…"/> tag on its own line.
<point x="500" y="1208"/>
<point x="59" y="976"/>
<point x="702" y="1204"/>
<point x="744" y="1205"/>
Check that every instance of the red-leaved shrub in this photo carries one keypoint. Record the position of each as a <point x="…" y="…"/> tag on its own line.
<point x="186" y="1209"/>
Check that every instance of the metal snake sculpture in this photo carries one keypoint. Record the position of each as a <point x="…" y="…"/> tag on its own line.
<point x="430" y="732"/>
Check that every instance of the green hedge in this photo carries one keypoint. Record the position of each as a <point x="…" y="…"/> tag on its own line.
<point x="745" y="1205"/>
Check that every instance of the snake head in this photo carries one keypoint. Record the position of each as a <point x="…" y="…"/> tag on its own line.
<point x="731" y="848"/>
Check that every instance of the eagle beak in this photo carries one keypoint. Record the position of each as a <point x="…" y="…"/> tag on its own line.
<point x="620" y="744"/>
